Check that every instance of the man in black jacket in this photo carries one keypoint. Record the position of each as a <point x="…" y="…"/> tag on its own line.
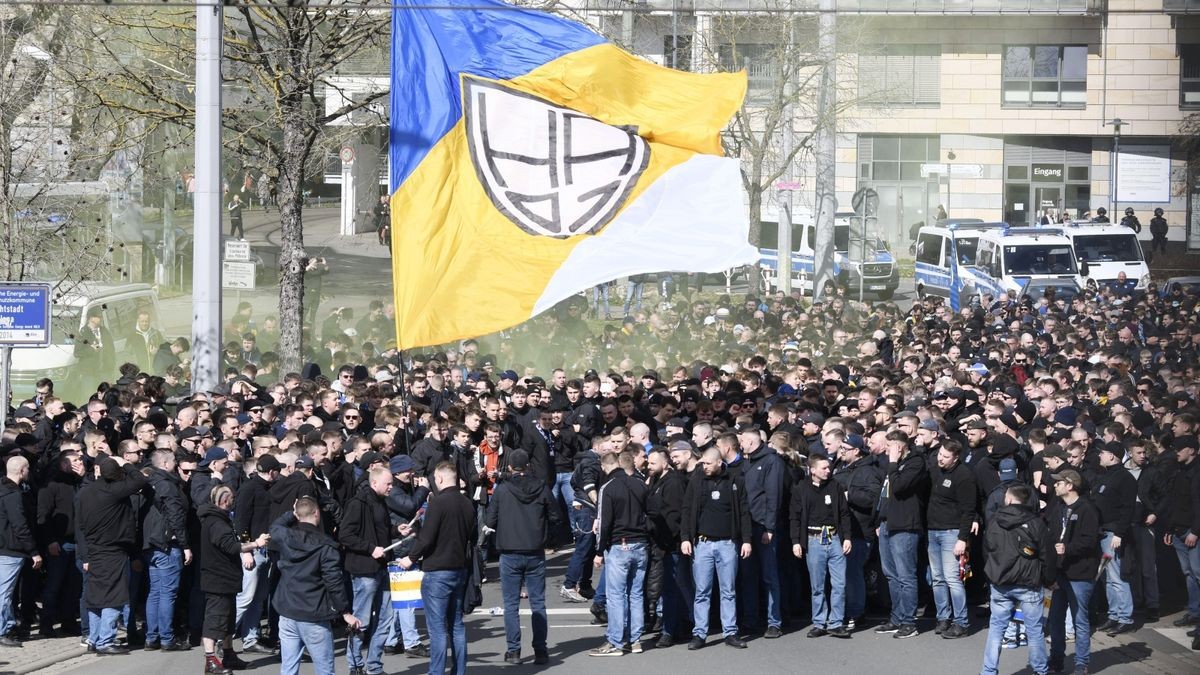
<point x="252" y="517"/>
<point x="56" y="520"/>
<point x="16" y="543"/>
<point x="1017" y="555"/>
<point x="107" y="537"/>
<point x="1114" y="493"/>
<point x="405" y="499"/>
<point x="432" y="450"/>
<point x="905" y="491"/>
<point x="820" y="518"/>
<point x="521" y="513"/>
<point x="222" y="558"/>
<point x="766" y="492"/>
<point x="621" y="539"/>
<point x="860" y="480"/>
<point x="951" y="521"/>
<point x="1074" y="525"/>
<point x="663" y="509"/>
<point x="165" y="549"/>
<point x="311" y="590"/>
<point x="1183" y="520"/>
<point x="364" y="533"/>
<point x="715" y="532"/>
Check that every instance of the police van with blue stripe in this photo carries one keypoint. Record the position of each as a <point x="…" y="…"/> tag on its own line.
<point x="878" y="271"/>
<point x="964" y="261"/>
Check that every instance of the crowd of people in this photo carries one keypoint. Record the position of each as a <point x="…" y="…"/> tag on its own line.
<point x="801" y="462"/>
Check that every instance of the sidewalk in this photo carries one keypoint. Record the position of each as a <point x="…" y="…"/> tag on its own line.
<point x="36" y="655"/>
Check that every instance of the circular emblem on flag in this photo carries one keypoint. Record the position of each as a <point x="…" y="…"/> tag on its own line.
<point x="552" y="171"/>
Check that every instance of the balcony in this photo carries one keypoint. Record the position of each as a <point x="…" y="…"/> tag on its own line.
<point x="941" y="7"/>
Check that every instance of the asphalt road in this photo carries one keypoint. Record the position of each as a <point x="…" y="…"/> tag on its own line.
<point x="1149" y="650"/>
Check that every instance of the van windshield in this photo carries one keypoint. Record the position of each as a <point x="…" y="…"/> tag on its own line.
<point x="841" y="240"/>
<point x="1038" y="259"/>
<point x="967" y="249"/>
<point x="1095" y="248"/>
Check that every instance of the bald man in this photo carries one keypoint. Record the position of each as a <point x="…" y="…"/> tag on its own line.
<point x="17" y="548"/>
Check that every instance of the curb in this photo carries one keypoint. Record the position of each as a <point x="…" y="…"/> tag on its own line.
<point x="35" y="666"/>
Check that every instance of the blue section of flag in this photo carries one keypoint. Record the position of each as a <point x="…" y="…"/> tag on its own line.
<point x="431" y="48"/>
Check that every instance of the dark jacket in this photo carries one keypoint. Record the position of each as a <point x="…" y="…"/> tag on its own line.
<point x="622" y="511"/>
<point x="952" y="498"/>
<point x="1016" y="548"/>
<point x="1152" y="484"/>
<point x="285" y="491"/>
<point x="311" y="588"/>
<point x="16" y="537"/>
<point x="220" y="552"/>
<point x="861" y="482"/>
<point x="541" y="454"/>
<point x="907" y="489"/>
<point x="448" y="534"/>
<point x="56" y="507"/>
<point x="588" y="476"/>
<point x="1183" y="498"/>
<point x="365" y="525"/>
<point x="809" y="500"/>
<point x="1114" y="493"/>
<point x="766" y="478"/>
<point x="664" y="508"/>
<point x="105" y="515"/>
<point x="165" y="524"/>
<point x="521" y="512"/>
<point x="700" y="487"/>
<point x="404" y="500"/>
<point x="252" y="508"/>
<point x="427" y="454"/>
<point x="1077" y="527"/>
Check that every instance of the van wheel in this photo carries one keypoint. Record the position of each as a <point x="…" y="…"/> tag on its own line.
<point x="887" y="295"/>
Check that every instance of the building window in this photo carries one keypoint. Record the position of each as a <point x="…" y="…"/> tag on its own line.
<point x="899" y="158"/>
<point x="1045" y="76"/>
<point x="677" y="51"/>
<point x="761" y="62"/>
<point x="1189" y="76"/>
<point x="901" y="76"/>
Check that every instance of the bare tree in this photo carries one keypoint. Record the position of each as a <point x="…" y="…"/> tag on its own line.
<point x="281" y="61"/>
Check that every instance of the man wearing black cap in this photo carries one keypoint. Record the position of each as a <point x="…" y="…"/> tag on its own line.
<point x="521" y="512"/>
<point x="1183" y="521"/>
<point x="208" y="475"/>
<point x="1074" y="525"/>
<point x="1114" y="492"/>
<point x="252" y="517"/>
<point x="404" y="501"/>
<point x="859" y="479"/>
<point x="766" y="479"/>
<point x="107" y="535"/>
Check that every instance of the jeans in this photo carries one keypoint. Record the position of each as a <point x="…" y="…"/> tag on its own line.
<point x="949" y="594"/>
<point x="898" y="556"/>
<point x="297" y="636"/>
<point x="1006" y="599"/>
<point x="373" y="606"/>
<point x="826" y="557"/>
<point x="633" y="294"/>
<point x="1077" y="596"/>
<point x="579" y="569"/>
<point x="625" y="576"/>
<point x="719" y="558"/>
<point x="761" y="569"/>
<point x="598" y="293"/>
<point x="404" y="628"/>
<point x="10" y="571"/>
<point x="672" y="596"/>
<point x="1120" y="595"/>
<point x="102" y="626"/>
<point x="1189" y="562"/>
<point x="528" y="569"/>
<point x="562" y="488"/>
<point x="84" y="620"/>
<point x="856" y="580"/>
<point x="164" y="567"/>
<point x="443" y="593"/>
<point x="1145" y="547"/>
<point x="251" y="599"/>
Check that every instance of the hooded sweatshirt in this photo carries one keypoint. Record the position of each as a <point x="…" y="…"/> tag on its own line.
<point x="521" y="512"/>
<point x="1016" y="548"/>
<point x="311" y="588"/>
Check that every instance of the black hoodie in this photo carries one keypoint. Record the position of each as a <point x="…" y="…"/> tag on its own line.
<point x="286" y="490"/>
<point x="521" y="512"/>
<point x="365" y="525"/>
<point x="311" y="588"/>
<point x="1016" y="547"/>
<point x="220" y="552"/>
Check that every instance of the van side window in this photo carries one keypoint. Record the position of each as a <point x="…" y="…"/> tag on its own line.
<point x="984" y="260"/>
<point x="929" y="249"/>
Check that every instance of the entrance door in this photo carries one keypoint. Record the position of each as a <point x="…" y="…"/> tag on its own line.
<point x="1048" y="198"/>
<point x="1016" y="204"/>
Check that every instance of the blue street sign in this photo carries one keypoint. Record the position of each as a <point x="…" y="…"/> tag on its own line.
<point x="24" y="315"/>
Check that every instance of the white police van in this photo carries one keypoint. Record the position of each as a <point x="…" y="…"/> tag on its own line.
<point x="1108" y="249"/>
<point x="978" y="259"/>
<point x="879" y="272"/>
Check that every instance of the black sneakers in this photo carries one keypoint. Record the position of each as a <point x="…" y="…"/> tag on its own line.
<point x="906" y="632"/>
<point x="886" y="628"/>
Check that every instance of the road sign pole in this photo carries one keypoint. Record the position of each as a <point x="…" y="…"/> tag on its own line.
<point x="206" y="242"/>
<point x="784" y="259"/>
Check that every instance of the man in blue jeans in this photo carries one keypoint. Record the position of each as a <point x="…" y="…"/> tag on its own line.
<point x="821" y="519"/>
<point x="623" y="535"/>
<point x="444" y="545"/>
<point x="1114" y="492"/>
<point x="766" y="478"/>
<point x="1074" y="524"/>
<point x="521" y="512"/>
<point x="164" y="532"/>
<point x="951" y="520"/>
<point x="904" y="489"/>
<point x="586" y="481"/>
<point x="1017" y="557"/>
<point x="714" y="526"/>
<point x="311" y="592"/>
<point x="364" y="533"/>
<point x="18" y="545"/>
<point x="1183" y="523"/>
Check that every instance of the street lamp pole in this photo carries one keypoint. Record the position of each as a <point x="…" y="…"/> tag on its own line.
<point x="1116" y="123"/>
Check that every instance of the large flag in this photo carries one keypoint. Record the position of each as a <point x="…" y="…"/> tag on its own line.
<point x="532" y="159"/>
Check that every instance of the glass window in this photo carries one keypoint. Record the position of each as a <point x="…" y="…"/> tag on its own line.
<point x="966" y="248"/>
<point x="886" y="148"/>
<point x="929" y="249"/>
<point x="901" y="75"/>
<point x="1018" y="173"/>
<point x="1107" y="248"/>
<point x="1045" y="76"/>
<point x="887" y="171"/>
<point x="1078" y="173"/>
<point x="1029" y="259"/>
<point x="1189" y="76"/>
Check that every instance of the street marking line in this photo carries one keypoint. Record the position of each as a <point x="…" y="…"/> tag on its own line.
<point x="557" y="611"/>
